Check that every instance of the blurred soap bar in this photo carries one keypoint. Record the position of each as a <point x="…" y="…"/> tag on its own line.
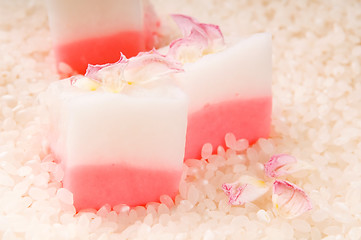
<point x="229" y="92"/>
<point x="118" y="146"/>
<point x="95" y="32"/>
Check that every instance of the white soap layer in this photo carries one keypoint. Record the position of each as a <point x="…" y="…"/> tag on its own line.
<point x="241" y="70"/>
<point x="143" y="128"/>
<point x="72" y="20"/>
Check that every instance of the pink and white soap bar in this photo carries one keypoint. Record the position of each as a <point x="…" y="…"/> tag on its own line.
<point x="228" y="84"/>
<point x="95" y="32"/>
<point x="119" y="132"/>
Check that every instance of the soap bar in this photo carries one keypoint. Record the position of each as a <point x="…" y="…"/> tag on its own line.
<point x="228" y="84"/>
<point x="118" y="145"/>
<point x="95" y="32"/>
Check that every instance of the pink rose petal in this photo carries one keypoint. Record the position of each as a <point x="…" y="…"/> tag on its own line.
<point x="280" y="165"/>
<point x="246" y="189"/>
<point x="198" y="38"/>
<point x="289" y="200"/>
<point x="188" y="25"/>
<point x="92" y="70"/>
<point x="144" y="68"/>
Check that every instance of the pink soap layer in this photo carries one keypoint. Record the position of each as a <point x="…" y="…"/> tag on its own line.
<point x="100" y="50"/>
<point x="94" y="186"/>
<point x="246" y="118"/>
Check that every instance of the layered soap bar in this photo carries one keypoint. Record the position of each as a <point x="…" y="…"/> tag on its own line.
<point x="228" y="84"/>
<point x="119" y="134"/>
<point x="95" y="32"/>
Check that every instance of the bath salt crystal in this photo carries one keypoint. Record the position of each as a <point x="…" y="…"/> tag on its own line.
<point x="65" y="196"/>
<point x="100" y="32"/>
<point x="241" y="102"/>
<point x="119" y="157"/>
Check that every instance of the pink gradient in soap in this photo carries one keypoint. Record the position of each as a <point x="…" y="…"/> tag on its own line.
<point x="245" y="118"/>
<point x="101" y="50"/>
<point x="96" y="185"/>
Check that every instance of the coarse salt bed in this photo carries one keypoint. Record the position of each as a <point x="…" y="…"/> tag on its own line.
<point x="316" y="95"/>
<point x="119" y="140"/>
<point x="100" y="32"/>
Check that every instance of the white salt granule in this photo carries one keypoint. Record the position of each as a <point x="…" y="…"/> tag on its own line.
<point x="148" y="219"/>
<point x="193" y="195"/>
<point x="262" y="215"/>
<point x="65" y="196"/>
<point x="6" y="180"/>
<point x="206" y="150"/>
<point x="168" y="201"/>
<point x="301" y="225"/>
<point x="163" y="209"/>
<point x="38" y="193"/>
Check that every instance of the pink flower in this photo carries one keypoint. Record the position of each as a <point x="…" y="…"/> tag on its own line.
<point x="289" y="200"/>
<point x="280" y="165"/>
<point x="246" y="189"/>
<point x="198" y="39"/>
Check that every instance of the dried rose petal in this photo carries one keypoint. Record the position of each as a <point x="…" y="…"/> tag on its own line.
<point x="188" y="25"/>
<point x="227" y="188"/>
<point x="280" y="165"/>
<point x="246" y="189"/>
<point x="289" y="200"/>
<point x="149" y="66"/>
<point x="144" y="68"/>
<point x="198" y="39"/>
<point x="92" y="70"/>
